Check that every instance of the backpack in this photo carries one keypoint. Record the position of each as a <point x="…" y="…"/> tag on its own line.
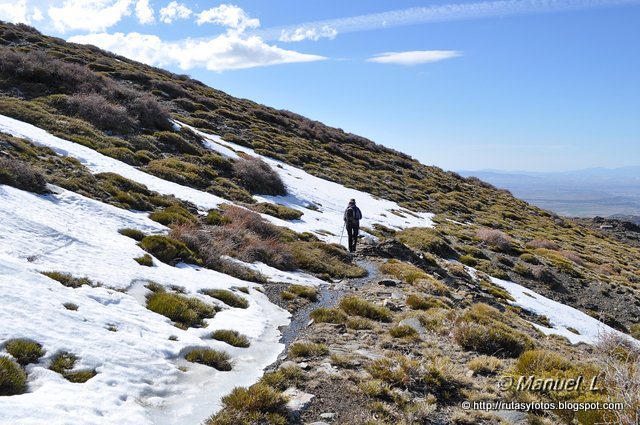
<point x="352" y="214"/>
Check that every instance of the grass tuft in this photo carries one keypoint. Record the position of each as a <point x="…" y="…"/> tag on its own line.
<point x="135" y="234"/>
<point x="68" y="280"/>
<point x="185" y="312"/>
<point x="356" y="306"/>
<point x="328" y="315"/>
<point x="24" y="350"/>
<point x="209" y="357"/>
<point x="227" y="297"/>
<point x="231" y="337"/>
<point x="145" y="260"/>
<point x="13" y="380"/>
<point x="308" y="349"/>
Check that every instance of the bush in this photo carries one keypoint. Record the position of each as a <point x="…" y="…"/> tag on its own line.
<point x="70" y="306"/>
<point x="134" y="234"/>
<point x="210" y="357"/>
<point x="13" y="380"/>
<point x="145" y="260"/>
<point x="418" y="302"/>
<point x="22" y="176"/>
<point x="184" y="311"/>
<point x="174" y="214"/>
<point x="168" y="250"/>
<point x="403" y="331"/>
<point x="63" y="362"/>
<point x="307" y="349"/>
<point x="227" y="297"/>
<point x="100" y="112"/>
<point x="485" y="365"/>
<point x="404" y="271"/>
<point x="425" y="239"/>
<point x="496" y="239"/>
<point x="437" y="376"/>
<point x="328" y="315"/>
<point x="354" y="305"/>
<point x="215" y="218"/>
<point x="359" y="323"/>
<point x="68" y="280"/>
<point x="277" y="210"/>
<point x="324" y="259"/>
<point x="307" y="292"/>
<point x="25" y="351"/>
<point x="231" y="337"/>
<point x="258" y="404"/>
<point x="543" y="243"/>
<point x="529" y="258"/>
<point x="482" y="328"/>
<point x="258" y="177"/>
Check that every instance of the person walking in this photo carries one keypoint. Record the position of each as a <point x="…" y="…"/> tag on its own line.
<point x="352" y="217"/>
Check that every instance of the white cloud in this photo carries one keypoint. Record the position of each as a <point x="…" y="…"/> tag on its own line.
<point x="228" y="15"/>
<point x="312" y="33"/>
<point x="144" y="12"/>
<point x="224" y="52"/>
<point x="414" y="57"/>
<point x="88" y="15"/>
<point x="174" y="11"/>
<point x="18" y="12"/>
<point x="437" y="13"/>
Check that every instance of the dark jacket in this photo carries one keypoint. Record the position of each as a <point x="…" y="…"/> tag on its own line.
<point x="352" y="215"/>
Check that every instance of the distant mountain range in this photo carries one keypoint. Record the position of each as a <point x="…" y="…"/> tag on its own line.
<point x="582" y="193"/>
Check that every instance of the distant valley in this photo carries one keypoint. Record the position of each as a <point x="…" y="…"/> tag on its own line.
<point x="583" y="193"/>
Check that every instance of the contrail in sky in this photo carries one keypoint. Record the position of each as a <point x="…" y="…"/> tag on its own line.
<point x="439" y="13"/>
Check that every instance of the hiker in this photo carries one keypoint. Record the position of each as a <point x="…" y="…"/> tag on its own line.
<point x="352" y="217"/>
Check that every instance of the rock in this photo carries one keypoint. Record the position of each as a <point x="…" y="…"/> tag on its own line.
<point x="413" y="323"/>
<point x="287" y="364"/>
<point x="389" y="282"/>
<point x="328" y="369"/>
<point x="328" y="415"/>
<point x="298" y="401"/>
<point x="391" y="305"/>
<point x="397" y="295"/>
<point x="318" y="423"/>
<point x="304" y="365"/>
<point x="368" y="354"/>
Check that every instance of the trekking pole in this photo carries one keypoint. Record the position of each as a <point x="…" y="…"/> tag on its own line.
<point x="342" y="233"/>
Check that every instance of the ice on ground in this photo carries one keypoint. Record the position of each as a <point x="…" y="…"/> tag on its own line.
<point x="139" y="380"/>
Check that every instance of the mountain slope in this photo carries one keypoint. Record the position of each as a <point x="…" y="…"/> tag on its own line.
<point x="131" y="151"/>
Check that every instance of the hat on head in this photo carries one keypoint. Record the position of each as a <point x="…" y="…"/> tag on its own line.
<point x="352" y="201"/>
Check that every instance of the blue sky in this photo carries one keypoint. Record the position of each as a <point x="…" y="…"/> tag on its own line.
<point x="515" y="85"/>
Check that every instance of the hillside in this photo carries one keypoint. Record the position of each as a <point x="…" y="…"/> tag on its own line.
<point x="158" y="233"/>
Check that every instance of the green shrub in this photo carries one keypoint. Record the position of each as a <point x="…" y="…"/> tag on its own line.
<point x="13" y="380"/>
<point x="359" y="323"/>
<point x="468" y="260"/>
<point x="529" y="258"/>
<point x="70" y="306"/>
<point x="63" y="362"/>
<point x="174" y="214"/>
<point x="324" y="259"/>
<point x="24" y="350"/>
<point x="21" y="175"/>
<point x="231" y="337"/>
<point x="426" y="239"/>
<point x="168" y="250"/>
<point x="418" y="302"/>
<point x="403" y="331"/>
<point x="215" y="218"/>
<point x="121" y="154"/>
<point x="227" y="297"/>
<point x="307" y="292"/>
<point x="69" y="281"/>
<point x="276" y="210"/>
<point x="287" y="296"/>
<point x="404" y="271"/>
<point x="210" y="357"/>
<point x="328" y="315"/>
<point x="354" y="305"/>
<point x="145" y="260"/>
<point x="184" y="311"/>
<point x="135" y="234"/>
<point x="307" y="349"/>
<point x="485" y="365"/>
<point x="483" y="329"/>
<point x="258" y="404"/>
